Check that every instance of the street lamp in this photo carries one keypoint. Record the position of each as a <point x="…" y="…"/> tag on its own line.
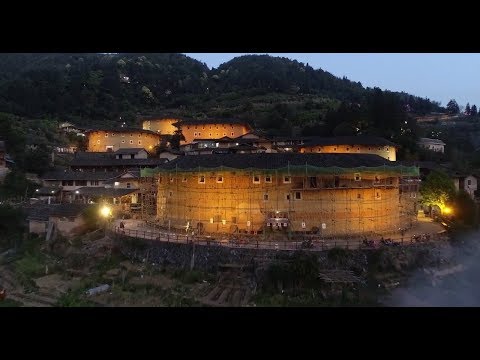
<point x="106" y="212"/>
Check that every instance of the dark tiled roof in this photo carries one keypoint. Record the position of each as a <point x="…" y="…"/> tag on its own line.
<point x="81" y="175"/>
<point x="222" y="139"/>
<point x="120" y="130"/>
<point x="277" y="160"/>
<point x="94" y="155"/>
<point x="42" y="212"/>
<point x="347" y="140"/>
<point x="129" y="151"/>
<point x="117" y="162"/>
<point x="210" y="121"/>
<point x="103" y="191"/>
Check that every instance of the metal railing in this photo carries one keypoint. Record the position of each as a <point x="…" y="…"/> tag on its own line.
<point x="256" y="242"/>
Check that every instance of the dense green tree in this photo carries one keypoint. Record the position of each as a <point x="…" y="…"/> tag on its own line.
<point x="452" y="107"/>
<point x="467" y="109"/>
<point x="176" y="138"/>
<point x="438" y="189"/>
<point x="473" y="111"/>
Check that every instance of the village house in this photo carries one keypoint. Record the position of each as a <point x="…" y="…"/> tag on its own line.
<point x="120" y="160"/>
<point x="65" y="219"/>
<point x="465" y="182"/>
<point x="432" y="144"/>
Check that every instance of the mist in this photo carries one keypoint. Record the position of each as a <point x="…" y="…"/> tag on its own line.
<point x="456" y="282"/>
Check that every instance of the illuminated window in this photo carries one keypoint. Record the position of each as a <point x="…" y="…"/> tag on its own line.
<point x="201" y="179"/>
<point x="287" y="179"/>
<point x="256" y="179"/>
<point x="268" y="179"/>
<point x="220" y="179"/>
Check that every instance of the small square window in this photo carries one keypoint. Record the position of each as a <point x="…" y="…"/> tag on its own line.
<point x="139" y="142"/>
<point x="98" y="141"/>
<point x="131" y="135"/>
<point x="201" y="179"/>
<point x="170" y="193"/>
<point x="268" y="179"/>
<point x="224" y="134"/>
<point x="348" y="149"/>
<point x="131" y="141"/>
<point x="210" y="134"/>
<point x="194" y="134"/>
<point x="220" y="179"/>
<point x="106" y="134"/>
<point x="184" y="179"/>
<point x="298" y="195"/>
<point x="123" y="141"/>
<point x="287" y="196"/>
<point x="334" y="149"/>
<point x="378" y="196"/>
<point x="357" y="177"/>
<point x="359" y="196"/>
<point x="265" y="197"/>
<point x="139" y="135"/>
<point x="113" y="134"/>
<point x="287" y="179"/>
<point x="233" y="134"/>
<point x="171" y="179"/>
<point x="256" y="179"/>
<point x="469" y="182"/>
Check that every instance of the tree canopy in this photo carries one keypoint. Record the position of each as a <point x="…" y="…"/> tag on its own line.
<point x="438" y="189"/>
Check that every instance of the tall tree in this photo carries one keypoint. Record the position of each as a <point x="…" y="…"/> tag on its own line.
<point x="467" y="109"/>
<point x="438" y="189"/>
<point x="473" y="111"/>
<point x="452" y="107"/>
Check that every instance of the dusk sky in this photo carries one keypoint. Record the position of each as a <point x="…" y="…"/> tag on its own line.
<point x="440" y="77"/>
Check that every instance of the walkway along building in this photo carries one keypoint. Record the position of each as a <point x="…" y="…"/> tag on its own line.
<point x="338" y="194"/>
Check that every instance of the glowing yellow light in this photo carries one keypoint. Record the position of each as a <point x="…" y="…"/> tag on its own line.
<point x="447" y="210"/>
<point x="105" y="211"/>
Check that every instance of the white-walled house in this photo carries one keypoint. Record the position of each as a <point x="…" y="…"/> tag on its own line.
<point x="465" y="182"/>
<point x="432" y="144"/>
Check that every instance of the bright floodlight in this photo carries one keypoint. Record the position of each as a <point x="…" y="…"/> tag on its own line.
<point x="105" y="211"/>
<point x="447" y="210"/>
